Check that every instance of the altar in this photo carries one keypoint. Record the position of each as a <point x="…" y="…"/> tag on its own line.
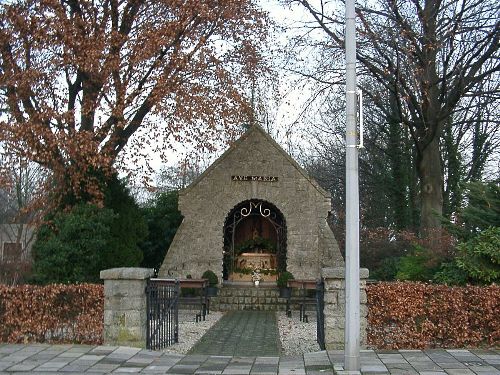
<point x="245" y="263"/>
<point x="259" y="261"/>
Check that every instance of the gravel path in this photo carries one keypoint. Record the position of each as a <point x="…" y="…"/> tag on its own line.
<point x="296" y="337"/>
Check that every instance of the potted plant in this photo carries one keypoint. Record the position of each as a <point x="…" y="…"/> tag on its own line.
<point x="282" y="282"/>
<point x="213" y="280"/>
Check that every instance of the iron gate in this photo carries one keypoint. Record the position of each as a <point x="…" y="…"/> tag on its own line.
<point x="162" y="309"/>
<point x="320" y="314"/>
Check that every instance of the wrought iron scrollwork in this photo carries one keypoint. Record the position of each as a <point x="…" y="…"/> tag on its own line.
<point x="243" y="211"/>
<point x="264" y="212"/>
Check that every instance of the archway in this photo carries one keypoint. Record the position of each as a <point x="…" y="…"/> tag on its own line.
<point x="254" y="238"/>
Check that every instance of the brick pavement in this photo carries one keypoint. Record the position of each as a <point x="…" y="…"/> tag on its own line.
<point x="242" y="333"/>
<point x="81" y="359"/>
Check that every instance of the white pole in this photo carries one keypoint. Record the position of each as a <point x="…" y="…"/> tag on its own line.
<point x="352" y="332"/>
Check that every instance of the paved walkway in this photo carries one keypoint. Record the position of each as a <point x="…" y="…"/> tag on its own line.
<point x="241" y="333"/>
<point x="80" y="359"/>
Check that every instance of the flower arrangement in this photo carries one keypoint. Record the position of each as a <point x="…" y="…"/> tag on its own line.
<point x="249" y="271"/>
<point x="256" y="276"/>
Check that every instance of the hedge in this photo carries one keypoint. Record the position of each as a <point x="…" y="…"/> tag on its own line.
<point x="52" y="314"/>
<point x="406" y="315"/>
<point x="401" y="315"/>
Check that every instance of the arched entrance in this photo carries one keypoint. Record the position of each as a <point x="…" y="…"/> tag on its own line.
<point x="254" y="238"/>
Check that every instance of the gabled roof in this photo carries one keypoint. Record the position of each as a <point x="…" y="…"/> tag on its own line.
<point x="252" y="130"/>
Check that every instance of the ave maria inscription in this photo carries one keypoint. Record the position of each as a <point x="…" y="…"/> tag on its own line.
<point x="255" y="178"/>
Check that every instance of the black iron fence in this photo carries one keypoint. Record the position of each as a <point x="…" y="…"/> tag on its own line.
<point x="162" y="307"/>
<point x="320" y="314"/>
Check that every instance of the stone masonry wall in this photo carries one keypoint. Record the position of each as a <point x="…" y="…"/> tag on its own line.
<point x="335" y="307"/>
<point x="125" y="306"/>
<point x="251" y="298"/>
<point x="198" y="243"/>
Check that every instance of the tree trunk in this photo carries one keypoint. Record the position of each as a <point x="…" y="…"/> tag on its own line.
<point x="431" y="182"/>
<point x="454" y="172"/>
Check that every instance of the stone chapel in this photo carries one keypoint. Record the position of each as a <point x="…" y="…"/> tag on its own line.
<point x="253" y="208"/>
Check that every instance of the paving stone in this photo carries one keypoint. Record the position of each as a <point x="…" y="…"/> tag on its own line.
<point x="267" y="360"/>
<point x="154" y="369"/>
<point x="11" y="348"/>
<point x="393" y="360"/>
<point x="128" y="370"/>
<point x="183" y="369"/>
<point x="241" y="333"/>
<point x="451" y="365"/>
<point x="318" y="368"/>
<point x="52" y="365"/>
<point x="43" y="359"/>
<point x="373" y="368"/>
<point x="398" y="366"/>
<point x="103" y="366"/>
<point x="402" y="372"/>
<point x="103" y="349"/>
<point x="264" y="368"/>
<point x="390" y="356"/>
<point x="490" y="370"/>
<point x="236" y="371"/>
<point x="430" y="367"/>
<point x="21" y="367"/>
<point x="459" y="371"/>
<point x="71" y="354"/>
<point x="74" y="368"/>
<point x="212" y="368"/>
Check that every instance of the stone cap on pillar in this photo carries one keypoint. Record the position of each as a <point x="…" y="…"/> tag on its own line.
<point x="127" y="273"/>
<point x="339" y="273"/>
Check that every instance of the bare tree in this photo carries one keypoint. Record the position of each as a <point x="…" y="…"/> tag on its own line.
<point x="431" y="56"/>
<point x="23" y="183"/>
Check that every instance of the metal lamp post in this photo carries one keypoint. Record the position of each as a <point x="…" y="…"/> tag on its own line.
<point x="352" y="310"/>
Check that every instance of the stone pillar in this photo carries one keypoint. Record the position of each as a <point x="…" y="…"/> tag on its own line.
<point x="335" y="306"/>
<point x="125" y="306"/>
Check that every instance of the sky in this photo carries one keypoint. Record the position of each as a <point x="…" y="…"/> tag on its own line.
<point x="283" y="113"/>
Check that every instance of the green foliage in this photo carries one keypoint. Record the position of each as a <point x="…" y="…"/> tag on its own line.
<point x="78" y="243"/>
<point x="163" y="218"/>
<point x="387" y="269"/>
<point x="477" y="227"/>
<point x="380" y="248"/>
<point x="211" y="276"/>
<point x="481" y="212"/>
<point x="480" y="256"/>
<point x="255" y="243"/>
<point x="420" y="265"/>
<point x="283" y="279"/>
<point x="450" y="274"/>
<point x="71" y="248"/>
<point x="128" y="229"/>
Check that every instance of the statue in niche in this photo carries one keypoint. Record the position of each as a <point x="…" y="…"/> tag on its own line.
<point x="255" y="233"/>
<point x="256" y="236"/>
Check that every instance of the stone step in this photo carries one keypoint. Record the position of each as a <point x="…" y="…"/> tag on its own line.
<point x="248" y="297"/>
